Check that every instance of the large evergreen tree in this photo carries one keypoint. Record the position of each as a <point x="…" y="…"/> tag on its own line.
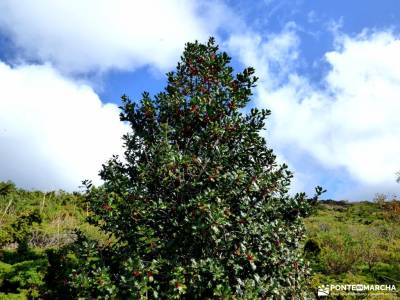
<point x="199" y="207"/>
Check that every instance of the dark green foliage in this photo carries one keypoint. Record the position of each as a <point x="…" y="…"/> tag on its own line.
<point x="199" y="206"/>
<point x="312" y="248"/>
<point x="22" y="279"/>
<point x="60" y="265"/>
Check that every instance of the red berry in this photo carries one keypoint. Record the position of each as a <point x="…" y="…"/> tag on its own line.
<point x="136" y="273"/>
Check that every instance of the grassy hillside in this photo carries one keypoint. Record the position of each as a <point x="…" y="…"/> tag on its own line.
<point x="353" y="243"/>
<point x="347" y="242"/>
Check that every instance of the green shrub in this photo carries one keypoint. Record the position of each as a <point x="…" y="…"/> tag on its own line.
<point x="21" y="230"/>
<point x="7" y="188"/>
<point x="60" y="265"/>
<point x="199" y="207"/>
<point x="312" y="248"/>
<point x="339" y="253"/>
<point x="24" y="278"/>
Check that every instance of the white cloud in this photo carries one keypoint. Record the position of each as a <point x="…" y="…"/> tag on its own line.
<point x="60" y="127"/>
<point x="96" y="35"/>
<point x="353" y="122"/>
<point x="54" y="132"/>
<point x="274" y="57"/>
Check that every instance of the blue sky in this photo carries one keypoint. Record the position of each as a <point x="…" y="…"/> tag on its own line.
<point x="329" y="71"/>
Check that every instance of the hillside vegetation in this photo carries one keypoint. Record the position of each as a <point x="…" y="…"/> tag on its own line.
<point x="346" y="242"/>
<point x="355" y="243"/>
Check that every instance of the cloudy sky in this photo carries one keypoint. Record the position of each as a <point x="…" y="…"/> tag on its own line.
<point x="329" y="71"/>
